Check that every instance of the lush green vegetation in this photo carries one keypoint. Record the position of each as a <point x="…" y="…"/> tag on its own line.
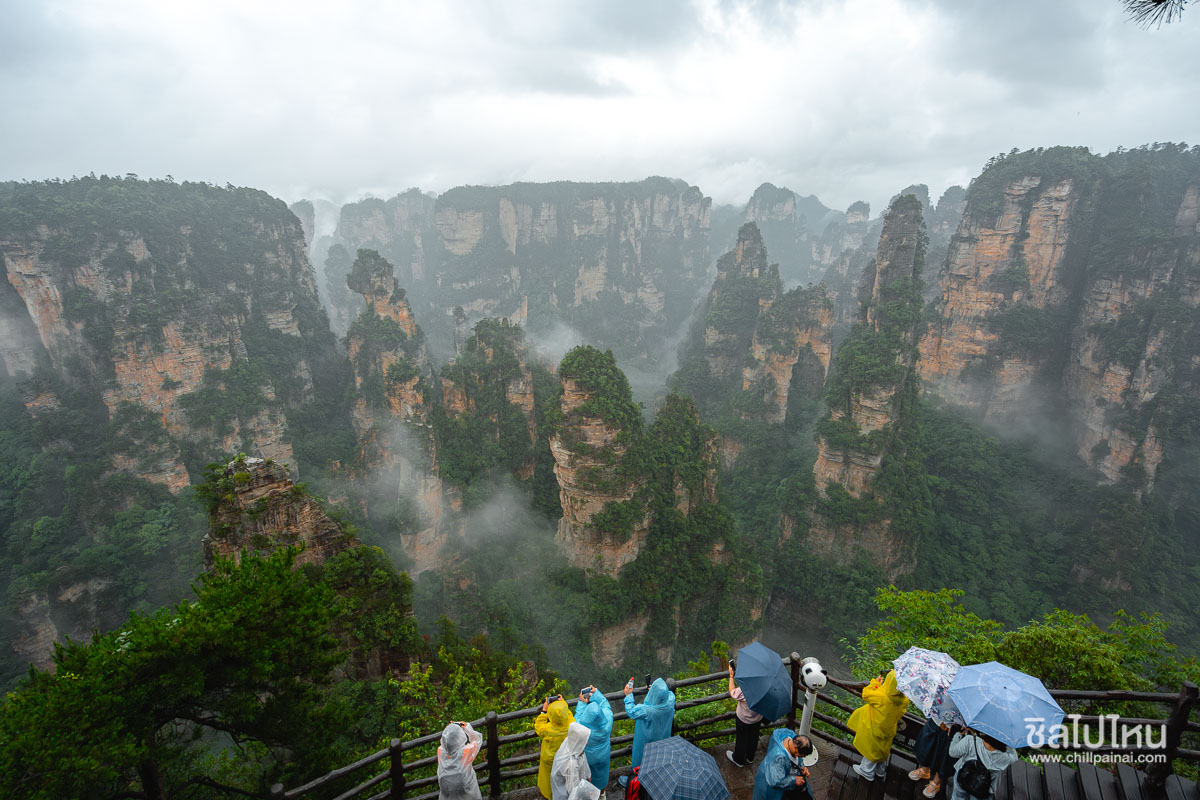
<point x="610" y="397"/>
<point x="1064" y="650"/>
<point x="240" y="688"/>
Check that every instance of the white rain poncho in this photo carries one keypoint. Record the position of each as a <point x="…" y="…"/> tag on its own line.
<point x="570" y="764"/>
<point x="585" y="791"/>
<point x="456" y="778"/>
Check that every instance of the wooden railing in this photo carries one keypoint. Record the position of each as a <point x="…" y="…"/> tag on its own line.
<point x="495" y="771"/>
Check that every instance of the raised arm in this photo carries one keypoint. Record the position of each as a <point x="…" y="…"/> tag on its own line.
<point x="473" y="745"/>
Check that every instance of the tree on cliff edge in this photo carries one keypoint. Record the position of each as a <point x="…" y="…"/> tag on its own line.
<point x="140" y="711"/>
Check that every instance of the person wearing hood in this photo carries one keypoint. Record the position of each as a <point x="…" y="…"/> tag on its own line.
<point x="781" y="770"/>
<point x="992" y="753"/>
<point x="570" y="763"/>
<point x="595" y="713"/>
<point x="456" y="777"/>
<point x="874" y="724"/>
<point x="653" y="718"/>
<point x="552" y="725"/>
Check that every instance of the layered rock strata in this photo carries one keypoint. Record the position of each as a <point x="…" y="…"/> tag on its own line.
<point x="588" y="459"/>
<point x="616" y="261"/>
<point x="264" y="511"/>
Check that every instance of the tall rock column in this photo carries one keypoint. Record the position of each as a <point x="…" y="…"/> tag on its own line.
<point x="870" y="395"/>
<point x="391" y="413"/>
<point x="602" y="526"/>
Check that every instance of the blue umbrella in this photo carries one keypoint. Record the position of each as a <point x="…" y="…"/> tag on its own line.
<point x="1003" y="702"/>
<point x="675" y="769"/>
<point x="764" y="680"/>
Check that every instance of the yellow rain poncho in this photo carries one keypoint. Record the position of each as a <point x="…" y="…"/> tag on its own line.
<point x="875" y="722"/>
<point x="552" y="726"/>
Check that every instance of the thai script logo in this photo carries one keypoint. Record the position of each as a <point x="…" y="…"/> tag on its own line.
<point x="1107" y="732"/>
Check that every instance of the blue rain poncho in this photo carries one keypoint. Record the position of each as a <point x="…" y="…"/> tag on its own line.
<point x="597" y="716"/>
<point x="778" y="770"/>
<point x="654" y="717"/>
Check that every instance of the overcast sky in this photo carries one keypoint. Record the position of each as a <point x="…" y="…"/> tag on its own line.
<point x="845" y="100"/>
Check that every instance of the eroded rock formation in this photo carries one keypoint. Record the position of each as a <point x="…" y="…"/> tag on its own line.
<point x="619" y="262"/>
<point x="1067" y="302"/>
<point x="589" y="448"/>
<point x="165" y="313"/>
<point x="873" y="381"/>
<point x="265" y="510"/>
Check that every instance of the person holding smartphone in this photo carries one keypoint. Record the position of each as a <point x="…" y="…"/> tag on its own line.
<point x="552" y="725"/>
<point x="747" y="722"/>
<point x="595" y="713"/>
<point x="653" y="718"/>
<point x="456" y="778"/>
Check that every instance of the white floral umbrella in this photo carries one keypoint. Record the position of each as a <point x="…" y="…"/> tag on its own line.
<point x="924" y="675"/>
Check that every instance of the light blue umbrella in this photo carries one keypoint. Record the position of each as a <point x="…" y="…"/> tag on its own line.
<point x="1003" y="702"/>
<point x="764" y="680"/>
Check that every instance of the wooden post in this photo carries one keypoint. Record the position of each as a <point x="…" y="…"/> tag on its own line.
<point x="277" y="792"/>
<point x="791" y="719"/>
<point x="396" y="768"/>
<point x="493" y="754"/>
<point x="671" y="687"/>
<point x="1157" y="774"/>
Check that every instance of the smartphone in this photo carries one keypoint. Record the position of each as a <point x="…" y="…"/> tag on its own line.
<point x="647" y="678"/>
<point x="732" y="664"/>
<point x="585" y="692"/>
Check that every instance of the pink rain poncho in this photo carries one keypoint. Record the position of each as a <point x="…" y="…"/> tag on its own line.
<point x="456" y="778"/>
<point x="570" y="763"/>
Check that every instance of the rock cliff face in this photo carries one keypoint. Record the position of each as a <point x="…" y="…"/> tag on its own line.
<point x="1014" y="260"/>
<point x="874" y="376"/>
<point x="488" y="402"/>
<point x="745" y="284"/>
<point x="589" y="452"/>
<point x="307" y="214"/>
<point x="794" y="231"/>
<point x="793" y="344"/>
<point x="167" y="311"/>
<point x="1067" y="302"/>
<point x="616" y="261"/>
<point x="265" y="510"/>
<point x="393" y="380"/>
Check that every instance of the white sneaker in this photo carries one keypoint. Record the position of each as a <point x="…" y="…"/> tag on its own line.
<point x="867" y="776"/>
<point x="732" y="760"/>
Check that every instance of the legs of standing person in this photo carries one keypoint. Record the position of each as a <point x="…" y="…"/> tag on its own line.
<point x="871" y="769"/>
<point x="745" y="742"/>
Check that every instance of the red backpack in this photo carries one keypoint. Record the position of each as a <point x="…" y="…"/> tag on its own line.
<point x="633" y="789"/>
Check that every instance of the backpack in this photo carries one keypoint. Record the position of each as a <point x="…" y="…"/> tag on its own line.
<point x="633" y="789"/>
<point x="974" y="778"/>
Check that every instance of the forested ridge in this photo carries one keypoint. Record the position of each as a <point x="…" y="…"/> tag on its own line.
<point x="715" y="480"/>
